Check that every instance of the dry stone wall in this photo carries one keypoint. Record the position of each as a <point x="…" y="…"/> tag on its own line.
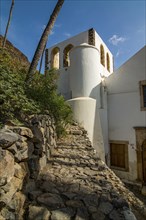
<point x="24" y="152"/>
<point x="15" y="52"/>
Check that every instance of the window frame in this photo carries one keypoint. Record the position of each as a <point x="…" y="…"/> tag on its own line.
<point x="66" y="58"/>
<point x="126" y="143"/>
<point x="108" y="62"/>
<point x="55" y="52"/>
<point x="141" y="84"/>
<point x="102" y="55"/>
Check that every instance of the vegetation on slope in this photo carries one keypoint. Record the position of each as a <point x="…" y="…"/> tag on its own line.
<point x="17" y="100"/>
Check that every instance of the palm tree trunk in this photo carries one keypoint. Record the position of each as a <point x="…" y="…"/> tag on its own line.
<point x="43" y="41"/>
<point x="42" y="58"/>
<point x="8" y="24"/>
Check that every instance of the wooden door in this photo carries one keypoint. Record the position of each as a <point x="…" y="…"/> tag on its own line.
<point x="117" y="155"/>
<point x="144" y="160"/>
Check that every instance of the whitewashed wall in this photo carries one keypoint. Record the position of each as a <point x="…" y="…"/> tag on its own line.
<point x="84" y="74"/>
<point x="82" y="80"/>
<point x="87" y="115"/>
<point x="124" y="106"/>
<point x="103" y="69"/>
<point x="64" y="83"/>
<point x="75" y="41"/>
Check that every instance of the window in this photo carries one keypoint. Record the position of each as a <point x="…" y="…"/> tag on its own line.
<point x="66" y="60"/>
<point x="119" y="155"/>
<point x="143" y="95"/>
<point x="91" y="37"/>
<point x="108" y="62"/>
<point x="102" y="55"/>
<point x="55" y="58"/>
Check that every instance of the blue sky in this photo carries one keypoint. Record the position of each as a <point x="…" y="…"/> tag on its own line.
<point x="121" y="24"/>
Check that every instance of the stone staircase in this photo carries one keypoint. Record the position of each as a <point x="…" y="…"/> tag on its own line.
<point x="77" y="185"/>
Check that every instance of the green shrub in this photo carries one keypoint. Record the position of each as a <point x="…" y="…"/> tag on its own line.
<point x="43" y="90"/>
<point x="13" y="99"/>
<point x="17" y="100"/>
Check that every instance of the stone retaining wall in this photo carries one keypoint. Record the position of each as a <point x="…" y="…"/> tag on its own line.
<point x="15" y="52"/>
<point x="24" y="152"/>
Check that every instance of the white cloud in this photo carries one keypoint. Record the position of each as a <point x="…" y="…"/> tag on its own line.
<point x="44" y="26"/>
<point x="67" y="34"/>
<point x="118" y="53"/>
<point x="115" y="40"/>
<point x="57" y="25"/>
<point x="52" y="32"/>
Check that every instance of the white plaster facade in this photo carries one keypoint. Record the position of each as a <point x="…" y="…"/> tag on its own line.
<point x="124" y="109"/>
<point x="64" y="83"/>
<point x="107" y="104"/>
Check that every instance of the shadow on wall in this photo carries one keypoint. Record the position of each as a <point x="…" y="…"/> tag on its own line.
<point x="98" y="141"/>
<point x="63" y="83"/>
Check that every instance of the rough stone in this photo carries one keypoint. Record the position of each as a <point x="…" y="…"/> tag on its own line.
<point x="119" y="203"/>
<point x="38" y="134"/>
<point x="30" y="186"/>
<point x="22" y="147"/>
<point x="91" y="200"/>
<point x="30" y="148"/>
<point x="38" y="213"/>
<point x="74" y="203"/>
<point x="63" y="214"/>
<point x="23" y="131"/>
<point x="74" y="187"/>
<point x="34" y="194"/>
<point x="50" y="200"/>
<point x="7" y="191"/>
<point x="21" y="163"/>
<point x="105" y="207"/>
<point x="76" y="132"/>
<point x="6" y="166"/>
<point x="7" y="138"/>
<point x="13" y="149"/>
<point x="82" y="214"/>
<point x="19" y="171"/>
<point x="17" y="204"/>
<point x="49" y="187"/>
<point x="42" y="162"/>
<point x="2" y="218"/>
<point x="99" y="215"/>
<point x="115" y="215"/>
<point x="33" y="163"/>
<point x="6" y="214"/>
<point x="92" y="209"/>
<point x="69" y="195"/>
<point x="129" y="215"/>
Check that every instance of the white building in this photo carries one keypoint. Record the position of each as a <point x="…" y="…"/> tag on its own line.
<point x="127" y="116"/>
<point x="110" y="105"/>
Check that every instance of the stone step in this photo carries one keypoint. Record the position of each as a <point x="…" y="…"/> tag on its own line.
<point x="75" y="132"/>
<point x="77" y="185"/>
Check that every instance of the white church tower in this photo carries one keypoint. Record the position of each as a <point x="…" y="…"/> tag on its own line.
<point x="83" y="62"/>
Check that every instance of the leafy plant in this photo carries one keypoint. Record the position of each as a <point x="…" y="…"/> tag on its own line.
<point x="43" y="90"/>
<point x="17" y="99"/>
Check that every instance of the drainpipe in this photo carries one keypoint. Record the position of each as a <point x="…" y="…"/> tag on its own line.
<point x="102" y="91"/>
